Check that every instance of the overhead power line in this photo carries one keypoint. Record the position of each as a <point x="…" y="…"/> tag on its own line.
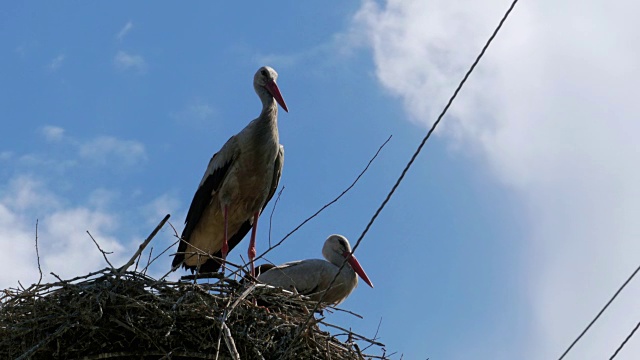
<point x="598" y="315"/>
<point x="435" y="124"/>
<point x="625" y="341"/>
<point x="413" y="158"/>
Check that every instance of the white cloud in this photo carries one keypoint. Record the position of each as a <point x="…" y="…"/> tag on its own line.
<point x="25" y="193"/>
<point x="64" y="246"/>
<point x="46" y="162"/>
<point x="105" y="148"/>
<point x="552" y="109"/>
<point x="159" y="207"/>
<point x="422" y="60"/>
<point x="100" y="150"/>
<point x="124" y="31"/>
<point x="102" y="198"/>
<point x="332" y="52"/>
<point x="17" y="249"/>
<point x="125" y="61"/>
<point x="56" y="62"/>
<point x="52" y="133"/>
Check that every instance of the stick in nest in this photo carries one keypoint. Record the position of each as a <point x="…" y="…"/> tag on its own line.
<point x="104" y="253"/>
<point x="38" y="254"/>
<point x="124" y="268"/>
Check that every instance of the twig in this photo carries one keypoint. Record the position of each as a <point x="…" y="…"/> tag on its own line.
<point x="61" y="330"/>
<point x="231" y="345"/>
<point x="224" y="318"/>
<point x="227" y="312"/>
<point x="351" y="333"/>
<point x="175" y="232"/>
<point x="64" y="282"/>
<point x="135" y="268"/>
<point x="147" y="354"/>
<point x="172" y="268"/>
<point x="104" y="253"/>
<point x="162" y="253"/>
<point x="326" y="205"/>
<point x="144" y="271"/>
<point x="272" y="211"/>
<point x="347" y="311"/>
<point x="143" y="245"/>
<point x="38" y="254"/>
<point x="375" y="336"/>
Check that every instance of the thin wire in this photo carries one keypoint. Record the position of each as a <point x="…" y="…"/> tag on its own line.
<point x="415" y="155"/>
<point x="625" y="341"/>
<point x="327" y="204"/>
<point x="599" y="313"/>
<point x="435" y="124"/>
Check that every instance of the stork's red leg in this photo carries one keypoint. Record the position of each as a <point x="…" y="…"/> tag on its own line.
<point x="252" y="244"/>
<point x="225" y="244"/>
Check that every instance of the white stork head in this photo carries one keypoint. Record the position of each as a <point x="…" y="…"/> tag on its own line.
<point x="265" y="79"/>
<point x="337" y="248"/>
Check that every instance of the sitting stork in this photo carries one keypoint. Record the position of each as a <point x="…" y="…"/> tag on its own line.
<point x="312" y="277"/>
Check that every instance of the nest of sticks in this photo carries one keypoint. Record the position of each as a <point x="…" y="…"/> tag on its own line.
<point x="121" y="314"/>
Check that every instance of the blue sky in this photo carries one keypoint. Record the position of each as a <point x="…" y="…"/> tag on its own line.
<point x="514" y="226"/>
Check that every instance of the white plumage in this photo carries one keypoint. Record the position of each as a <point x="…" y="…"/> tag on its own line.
<point x="240" y="180"/>
<point x="312" y="277"/>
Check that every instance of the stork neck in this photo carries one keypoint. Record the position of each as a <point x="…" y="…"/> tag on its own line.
<point x="337" y="260"/>
<point x="269" y="105"/>
<point x="347" y="274"/>
<point x="269" y="111"/>
<point x="265" y="128"/>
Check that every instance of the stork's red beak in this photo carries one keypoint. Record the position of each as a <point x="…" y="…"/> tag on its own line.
<point x="272" y="87"/>
<point x="357" y="268"/>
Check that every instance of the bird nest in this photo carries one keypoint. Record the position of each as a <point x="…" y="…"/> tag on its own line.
<point x="113" y="315"/>
<point x="120" y="314"/>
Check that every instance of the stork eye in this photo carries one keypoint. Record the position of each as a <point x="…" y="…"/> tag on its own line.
<point x="264" y="72"/>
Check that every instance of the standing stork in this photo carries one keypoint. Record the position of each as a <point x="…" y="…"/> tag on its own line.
<point x="312" y="277"/>
<point x="239" y="182"/>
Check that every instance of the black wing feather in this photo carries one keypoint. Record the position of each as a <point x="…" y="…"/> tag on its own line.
<point x="201" y="199"/>
<point x="212" y="265"/>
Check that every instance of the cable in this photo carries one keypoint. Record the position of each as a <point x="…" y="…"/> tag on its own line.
<point x="435" y="124"/>
<point x="600" y="313"/>
<point x="625" y="341"/>
<point x="415" y="155"/>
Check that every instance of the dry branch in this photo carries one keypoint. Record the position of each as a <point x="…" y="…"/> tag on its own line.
<point x="327" y="204"/>
<point x="144" y="244"/>
<point x="38" y="254"/>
